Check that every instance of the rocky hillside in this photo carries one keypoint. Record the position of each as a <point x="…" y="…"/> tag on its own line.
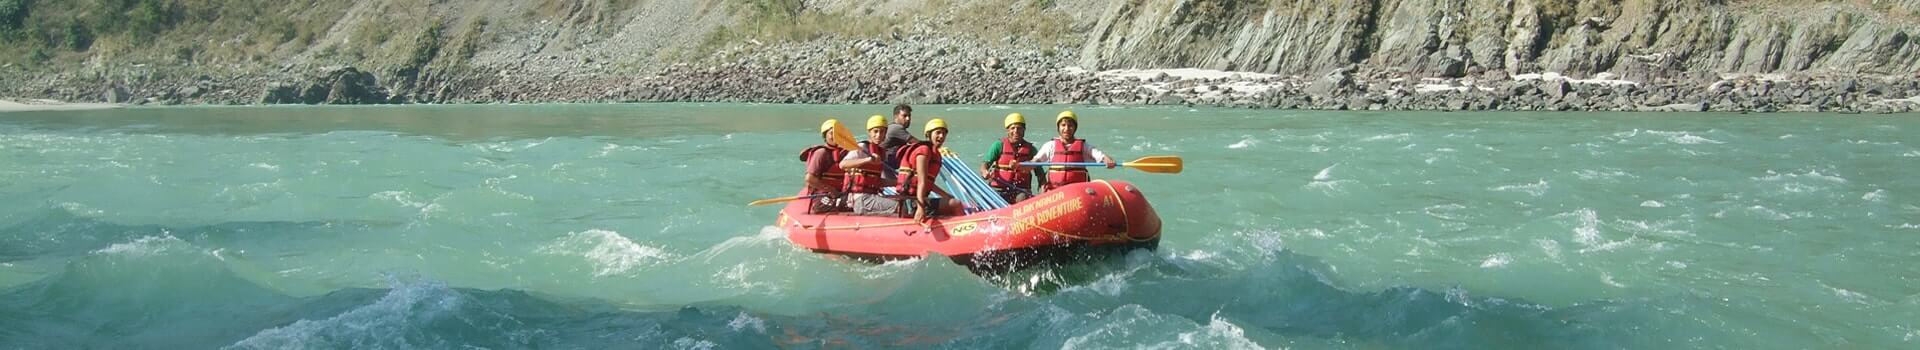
<point x="1709" y="54"/>
<point x="1454" y="38"/>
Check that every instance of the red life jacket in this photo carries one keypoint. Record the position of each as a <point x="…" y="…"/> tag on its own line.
<point x="1075" y="152"/>
<point x="1004" y="171"/>
<point x="909" y="179"/>
<point x="833" y="174"/>
<point x="867" y="178"/>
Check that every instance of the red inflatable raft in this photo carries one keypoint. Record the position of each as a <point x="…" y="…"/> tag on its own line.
<point x="1073" y="221"/>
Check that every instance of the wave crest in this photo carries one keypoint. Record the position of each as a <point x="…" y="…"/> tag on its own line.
<point x="608" y="251"/>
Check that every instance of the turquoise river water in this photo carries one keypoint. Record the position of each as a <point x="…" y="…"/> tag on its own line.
<point x="623" y="226"/>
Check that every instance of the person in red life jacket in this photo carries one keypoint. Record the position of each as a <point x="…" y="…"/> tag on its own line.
<point x="866" y="174"/>
<point x="1068" y="149"/>
<point x="823" y="176"/>
<point x="1002" y="166"/>
<point x="919" y="169"/>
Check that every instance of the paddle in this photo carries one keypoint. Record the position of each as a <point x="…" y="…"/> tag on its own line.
<point x="784" y="199"/>
<point x="1151" y="164"/>
<point x="843" y="138"/>
<point x="982" y="195"/>
<point x="946" y="162"/>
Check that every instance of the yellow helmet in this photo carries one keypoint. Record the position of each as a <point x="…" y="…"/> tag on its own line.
<point x="1064" y="115"/>
<point x="876" y="121"/>
<point x="936" y="123"/>
<point x="1013" y="119"/>
<point x="829" y="125"/>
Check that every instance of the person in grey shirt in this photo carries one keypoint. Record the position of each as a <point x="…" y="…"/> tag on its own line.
<point x="898" y="134"/>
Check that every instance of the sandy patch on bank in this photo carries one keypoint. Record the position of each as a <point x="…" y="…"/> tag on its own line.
<point x="1237" y="84"/>
<point x="1914" y="100"/>
<point x="1603" y="78"/>
<point x="51" y="105"/>
<point x="1176" y="73"/>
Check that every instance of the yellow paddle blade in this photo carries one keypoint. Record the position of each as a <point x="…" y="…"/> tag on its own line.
<point x="843" y="138"/>
<point x="774" y="200"/>
<point x="946" y="152"/>
<point x="1158" y="164"/>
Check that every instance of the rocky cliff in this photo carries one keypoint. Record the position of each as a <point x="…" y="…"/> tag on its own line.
<point x="1636" y="38"/>
<point x="1808" y="54"/>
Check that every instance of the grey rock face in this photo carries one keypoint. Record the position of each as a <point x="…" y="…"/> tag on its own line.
<point x="279" y="93"/>
<point x="1638" y="39"/>
<point x="1296" y="36"/>
<point x="1555" y="88"/>
<point x="1336" y="82"/>
<point x="116" y="94"/>
<point x="351" y="86"/>
<point x="345" y="85"/>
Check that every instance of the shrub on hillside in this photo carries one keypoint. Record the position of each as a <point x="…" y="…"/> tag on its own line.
<point x="13" y="14"/>
<point x="78" y="37"/>
<point x="148" y="18"/>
